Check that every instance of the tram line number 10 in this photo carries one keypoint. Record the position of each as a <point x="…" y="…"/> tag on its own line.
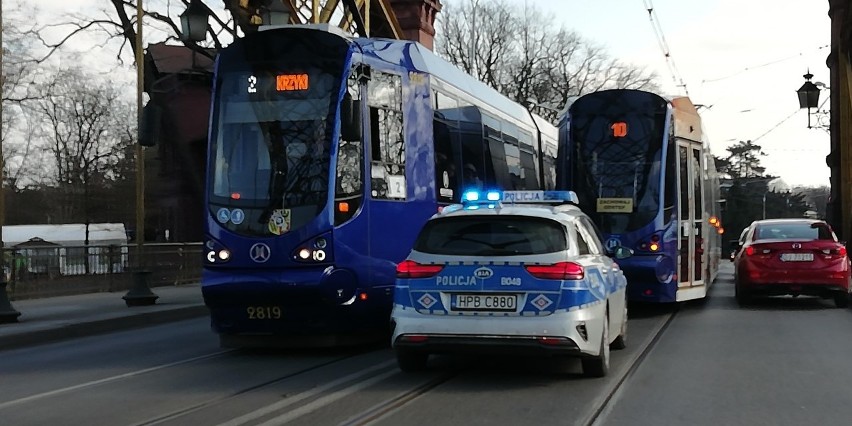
<point x="619" y="129"/>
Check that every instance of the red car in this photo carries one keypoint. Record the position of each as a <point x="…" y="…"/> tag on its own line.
<point x="792" y="256"/>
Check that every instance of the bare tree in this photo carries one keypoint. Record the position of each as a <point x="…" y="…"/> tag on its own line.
<point x="85" y="130"/>
<point x="20" y="71"/>
<point x="520" y="52"/>
<point x="118" y="24"/>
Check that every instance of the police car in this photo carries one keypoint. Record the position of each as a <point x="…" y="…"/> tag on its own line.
<point x="516" y="270"/>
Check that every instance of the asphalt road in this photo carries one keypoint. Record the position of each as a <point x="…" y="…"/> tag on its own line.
<point x="176" y="374"/>
<point x="781" y="361"/>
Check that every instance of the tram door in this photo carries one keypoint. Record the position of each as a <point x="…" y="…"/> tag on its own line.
<point x="691" y="242"/>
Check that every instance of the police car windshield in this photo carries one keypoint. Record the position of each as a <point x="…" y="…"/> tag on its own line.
<point x="491" y="236"/>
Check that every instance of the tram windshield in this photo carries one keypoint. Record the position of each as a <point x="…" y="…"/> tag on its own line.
<point x="273" y="120"/>
<point x="617" y="139"/>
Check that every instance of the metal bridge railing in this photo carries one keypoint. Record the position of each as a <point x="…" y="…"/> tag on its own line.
<point x="52" y="270"/>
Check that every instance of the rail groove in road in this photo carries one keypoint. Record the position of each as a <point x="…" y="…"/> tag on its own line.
<point x="266" y="410"/>
<point x="389" y="406"/>
<point x="602" y="404"/>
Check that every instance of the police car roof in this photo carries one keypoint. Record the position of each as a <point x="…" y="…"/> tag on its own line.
<point x="546" y="211"/>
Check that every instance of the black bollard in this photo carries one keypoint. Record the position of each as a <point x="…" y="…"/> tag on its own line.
<point x="7" y="312"/>
<point x="140" y="294"/>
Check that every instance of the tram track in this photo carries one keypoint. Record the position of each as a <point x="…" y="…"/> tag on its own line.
<point x="389" y="406"/>
<point x="604" y="401"/>
<point x="176" y="414"/>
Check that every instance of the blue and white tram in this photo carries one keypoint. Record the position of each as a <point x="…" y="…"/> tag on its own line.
<point x="642" y="169"/>
<point x="327" y="154"/>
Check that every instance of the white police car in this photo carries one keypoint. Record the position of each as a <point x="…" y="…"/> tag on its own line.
<point x="513" y="270"/>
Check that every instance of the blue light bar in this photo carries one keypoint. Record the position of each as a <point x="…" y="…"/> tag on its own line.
<point x="470" y="196"/>
<point x="493" y="196"/>
<point x="473" y="199"/>
<point x="539" y="197"/>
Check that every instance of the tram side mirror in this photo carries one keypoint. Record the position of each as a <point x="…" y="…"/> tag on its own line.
<point x="350" y="118"/>
<point x="622" y="252"/>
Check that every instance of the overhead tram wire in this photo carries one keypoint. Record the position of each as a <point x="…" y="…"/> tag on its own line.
<point x="787" y="118"/>
<point x="766" y="64"/>
<point x="664" y="46"/>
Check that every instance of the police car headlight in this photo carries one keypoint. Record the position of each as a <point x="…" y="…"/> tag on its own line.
<point x="224" y="254"/>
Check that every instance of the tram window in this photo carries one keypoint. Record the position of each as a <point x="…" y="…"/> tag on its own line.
<point x="387" y="145"/>
<point x="491" y="126"/>
<point x="670" y="187"/>
<point x="697" y="183"/>
<point x="684" y="182"/>
<point x="513" y="163"/>
<point x="530" y="177"/>
<point x="350" y="167"/>
<point x="525" y="141"/>
<point x="446" y="177"/>
<point x="473" y="153"/>
<point x="496" y="169"/>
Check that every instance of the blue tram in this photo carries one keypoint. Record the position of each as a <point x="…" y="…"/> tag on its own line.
<point x="327" y="154"/>
<point x="642" y="170"/>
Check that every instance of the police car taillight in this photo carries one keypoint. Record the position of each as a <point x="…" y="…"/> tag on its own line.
<point x="412" y="269"/>
<point x="557" y="271"/>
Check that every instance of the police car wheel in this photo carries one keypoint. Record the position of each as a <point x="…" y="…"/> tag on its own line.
<point x="411" y="361"/>
<point x="620" y="342"/>
<point x="598" y="366"/>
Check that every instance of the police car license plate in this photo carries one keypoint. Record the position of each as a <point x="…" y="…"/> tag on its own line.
<point x="484" y="302"/>
<point x="797" y="257"/>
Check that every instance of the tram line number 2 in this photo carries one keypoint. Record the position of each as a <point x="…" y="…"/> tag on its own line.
<point x="619" y="129"/>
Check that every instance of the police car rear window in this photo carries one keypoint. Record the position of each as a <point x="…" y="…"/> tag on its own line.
<point x="491" y="236"/>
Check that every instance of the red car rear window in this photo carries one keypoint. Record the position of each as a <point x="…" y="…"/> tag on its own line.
<point x="794" y="231"/>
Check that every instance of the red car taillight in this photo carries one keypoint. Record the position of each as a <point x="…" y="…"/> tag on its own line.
<point x="412" y="269"/>
<point x="557" y="271"/>
<point x="749" y="251"/>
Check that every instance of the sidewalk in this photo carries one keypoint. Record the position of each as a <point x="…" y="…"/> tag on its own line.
<point x="56" y="318"/>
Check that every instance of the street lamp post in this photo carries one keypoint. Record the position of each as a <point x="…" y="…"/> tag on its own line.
<point x="140" y="294"/>
<point x="7" y="312"/>
<point x="808" y="95"/>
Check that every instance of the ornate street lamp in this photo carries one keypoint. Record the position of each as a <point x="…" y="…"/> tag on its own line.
<point x="275" y="14"/>
<point x="193" y="22"/>
<point x="808" y="95"/>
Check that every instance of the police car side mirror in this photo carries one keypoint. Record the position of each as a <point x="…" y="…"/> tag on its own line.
<point x="622" y="252"/>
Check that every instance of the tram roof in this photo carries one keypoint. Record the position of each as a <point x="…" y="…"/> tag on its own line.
<point x="414" y="55"/>
<point x="687" y="121"/>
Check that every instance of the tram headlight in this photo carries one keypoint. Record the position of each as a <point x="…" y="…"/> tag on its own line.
<point x="216" y="253"/>
<point x="315" y="250"/>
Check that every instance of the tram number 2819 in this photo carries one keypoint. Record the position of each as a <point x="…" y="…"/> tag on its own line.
<point x="263" y="312"/>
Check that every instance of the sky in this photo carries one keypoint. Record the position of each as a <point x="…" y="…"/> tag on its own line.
<point x="743" y="59"/>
